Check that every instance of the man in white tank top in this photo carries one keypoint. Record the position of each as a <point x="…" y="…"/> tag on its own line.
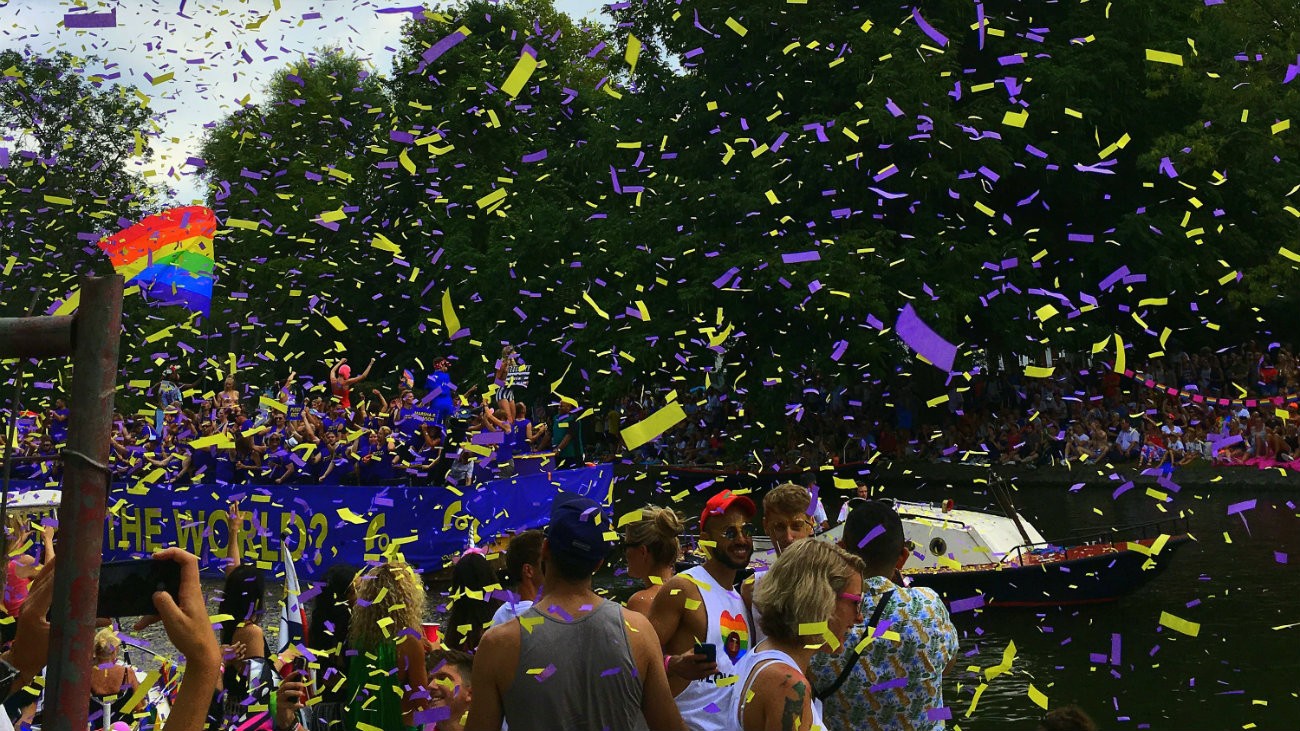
<point x="701" y="606"/>
<point x="787" y="517"/>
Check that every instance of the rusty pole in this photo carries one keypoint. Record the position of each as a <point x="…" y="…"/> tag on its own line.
<point x="36" y="337"/>
<point x="95" y="334"/>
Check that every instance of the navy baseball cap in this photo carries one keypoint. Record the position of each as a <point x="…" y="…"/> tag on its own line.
<point x="578" y="526"/>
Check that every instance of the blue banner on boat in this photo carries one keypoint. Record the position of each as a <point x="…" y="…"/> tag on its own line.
<point x="324" y="525"/>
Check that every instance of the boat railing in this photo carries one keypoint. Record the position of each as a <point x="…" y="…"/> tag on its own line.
<point x="1081" y="539"/>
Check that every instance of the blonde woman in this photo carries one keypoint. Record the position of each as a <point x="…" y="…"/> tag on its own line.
<point x="810" y="598"/>
<point x="652" y="548"/>
<point x="111" y="684"/>
<point x="386" y="676"/>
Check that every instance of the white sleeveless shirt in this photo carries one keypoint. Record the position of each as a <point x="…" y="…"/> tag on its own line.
<point x="702" y="703"/>
<point x="747" y="671"/>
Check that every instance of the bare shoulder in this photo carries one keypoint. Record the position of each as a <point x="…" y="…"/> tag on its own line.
<point x="678" y="589"/>
<point x="501" y="638"/>
<point x="637" y="623"/>
<point x="642" y="601"/>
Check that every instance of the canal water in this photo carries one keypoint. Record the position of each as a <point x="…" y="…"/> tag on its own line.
<point x="1237" y="582"/>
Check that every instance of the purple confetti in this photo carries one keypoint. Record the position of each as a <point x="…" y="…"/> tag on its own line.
<point x="801" y="257"/>
<point x="442" y="46"/>
<point x="926" y="342"/>
<point x="928" y="29"/>
<point x="91" y="20"/>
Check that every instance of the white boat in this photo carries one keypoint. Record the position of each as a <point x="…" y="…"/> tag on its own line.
<point x="944" y="536"/>
<point x="973" y="558"/>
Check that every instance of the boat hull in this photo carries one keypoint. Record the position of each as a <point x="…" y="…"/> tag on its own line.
<point x="1082" y="577"/>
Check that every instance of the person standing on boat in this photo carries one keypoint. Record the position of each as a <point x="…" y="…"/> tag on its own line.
<point x="701" y="605"/>
<point x="651" y="546"/>
<point x="893" y="683"/>
<point x="341" y="383"/>
<point x="442" y="390"/>
<point x="860" y="494"/>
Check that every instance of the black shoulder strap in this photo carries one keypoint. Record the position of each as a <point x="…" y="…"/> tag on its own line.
<point x="851" y="655"/>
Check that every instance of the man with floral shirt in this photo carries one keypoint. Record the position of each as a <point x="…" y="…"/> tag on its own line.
<point x="896" y="682"/>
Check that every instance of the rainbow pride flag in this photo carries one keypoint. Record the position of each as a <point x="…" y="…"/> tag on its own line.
<point x="167" y="255"/>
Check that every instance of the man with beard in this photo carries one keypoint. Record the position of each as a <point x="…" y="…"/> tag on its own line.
<point x="701" y="605"/>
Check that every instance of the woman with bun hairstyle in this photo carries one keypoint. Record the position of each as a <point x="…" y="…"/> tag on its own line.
<point x="652" y="547"/>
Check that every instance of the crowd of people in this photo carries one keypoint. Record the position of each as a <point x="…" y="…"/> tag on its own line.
<point x="737" y="641"/>
<point x="1173" y="412"/>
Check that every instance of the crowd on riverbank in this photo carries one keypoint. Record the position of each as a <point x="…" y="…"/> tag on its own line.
<point x="736" y="641"/>
<point x="1165" y="413"/>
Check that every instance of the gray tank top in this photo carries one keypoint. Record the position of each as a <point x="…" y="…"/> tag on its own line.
<point x="576" y="676"/>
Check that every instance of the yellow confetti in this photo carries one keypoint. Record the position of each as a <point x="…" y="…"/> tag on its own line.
<point x="1039" y="371"/>
<point x="449" y="319"/>
<point x="653" y="425"/>
<point x="735" y="25"/>
<point x="595" y="306"/>
<point x="1281" y="127"/>
<point x="406" y="162"/>
<point x="1178" y="624"/>
<point x="1038" y="697"/>
<point x="336" y="323"/>
<point x="1046" y="312"/>
<point x="519" y="76"/>
<point x="351" y="517"/>
<point x="1016" y="119"/>
<point x="632" y="53"/>
<point x="1163" y="57"/>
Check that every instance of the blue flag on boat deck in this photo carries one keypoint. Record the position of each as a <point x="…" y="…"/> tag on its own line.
<point x="293" y="618"/>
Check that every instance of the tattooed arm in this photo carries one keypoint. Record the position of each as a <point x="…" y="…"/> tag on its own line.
<point x="780" y="700"/>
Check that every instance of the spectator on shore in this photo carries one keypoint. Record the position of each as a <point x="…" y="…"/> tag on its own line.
<point x="1128" y="443"/>
<point x="913" y="666"/>
<point x="577" y="637"/>
<point x="651" y="547"/>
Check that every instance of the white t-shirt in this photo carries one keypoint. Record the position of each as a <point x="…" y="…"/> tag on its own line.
<point x="819" y="515"/>
<point x="509" y="611"/>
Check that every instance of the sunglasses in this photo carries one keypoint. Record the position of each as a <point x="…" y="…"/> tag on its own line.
<point x="855" y="598"/>
<point x="734" y="532"/>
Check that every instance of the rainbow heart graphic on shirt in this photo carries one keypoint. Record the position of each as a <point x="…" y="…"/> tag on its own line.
<point x="735" y="635"/>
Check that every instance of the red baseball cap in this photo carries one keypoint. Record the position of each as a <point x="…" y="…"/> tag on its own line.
<point x="723" y="501"/>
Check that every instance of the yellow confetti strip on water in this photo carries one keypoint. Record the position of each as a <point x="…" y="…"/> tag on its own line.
<point x="1038" y="697"/>
<point x="1178" y="624"/>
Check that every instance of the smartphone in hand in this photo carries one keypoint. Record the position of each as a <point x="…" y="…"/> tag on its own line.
<point x="707" y="649"/>
<point x="126" y="588"/>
